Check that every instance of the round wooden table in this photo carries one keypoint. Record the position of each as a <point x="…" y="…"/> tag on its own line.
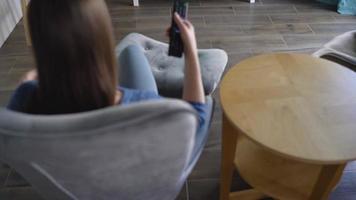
<point x="289" y="126"/>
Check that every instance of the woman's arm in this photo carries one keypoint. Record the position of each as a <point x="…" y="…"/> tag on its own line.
<point x="193" y="86"/>
<point x="27" y="87"/>
<point x="29" y="76"/>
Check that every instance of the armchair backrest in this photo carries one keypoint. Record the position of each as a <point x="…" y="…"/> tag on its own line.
<point x="136" y="152"/>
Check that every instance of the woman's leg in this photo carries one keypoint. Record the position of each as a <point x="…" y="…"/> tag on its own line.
<point x="135" y="71"/>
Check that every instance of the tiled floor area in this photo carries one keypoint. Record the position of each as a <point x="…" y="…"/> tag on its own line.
<point x="241" y="29"/>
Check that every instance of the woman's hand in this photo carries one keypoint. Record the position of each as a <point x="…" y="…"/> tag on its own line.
<point x="193" y="86"/>
<point x="29" y="76"/>
<point x="187" y="33"/>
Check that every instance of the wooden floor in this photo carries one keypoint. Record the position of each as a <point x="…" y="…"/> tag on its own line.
<point x="241" y="29"/>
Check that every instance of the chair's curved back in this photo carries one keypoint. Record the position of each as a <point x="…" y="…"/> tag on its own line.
<point x="122" y="152"/>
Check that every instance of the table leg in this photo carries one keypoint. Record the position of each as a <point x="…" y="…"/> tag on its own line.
<point x="329" y="176"/>
<point x="229" y="138"/>
<point x="25" y="21"/>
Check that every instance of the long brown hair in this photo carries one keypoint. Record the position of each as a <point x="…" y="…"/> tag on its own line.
<point x="74" y="51"/>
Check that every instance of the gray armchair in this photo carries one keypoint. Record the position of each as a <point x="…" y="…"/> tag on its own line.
<point x="169" y="71"/>
<point x="141" y="151"/>
<point x="341" y="49"/>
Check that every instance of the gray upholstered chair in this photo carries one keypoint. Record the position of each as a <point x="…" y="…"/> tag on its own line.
<point x="341" y="49"/>
<point x="169" y="71"/>
<point x="140" y="151"/>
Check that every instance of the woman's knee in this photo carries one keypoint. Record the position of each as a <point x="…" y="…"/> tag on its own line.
<point x="132" y="49"/>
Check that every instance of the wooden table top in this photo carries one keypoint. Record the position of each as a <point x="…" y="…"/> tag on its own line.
<point x="296" y="105"/>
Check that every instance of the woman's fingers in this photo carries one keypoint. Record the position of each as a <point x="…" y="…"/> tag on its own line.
<point x="187" y="32"/>
<point x="188" y="23"/>
<point x="182" y="23"/>
<point x="179" y="22"/>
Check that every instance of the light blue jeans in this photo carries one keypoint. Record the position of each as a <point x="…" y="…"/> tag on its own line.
<point x="135" y="71"/>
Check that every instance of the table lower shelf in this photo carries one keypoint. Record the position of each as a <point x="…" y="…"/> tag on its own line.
<point x="273" y="175"/>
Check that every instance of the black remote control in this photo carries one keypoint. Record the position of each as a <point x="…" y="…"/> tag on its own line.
<point x="176" y="44"/>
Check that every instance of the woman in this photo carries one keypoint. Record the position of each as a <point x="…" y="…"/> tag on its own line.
<point x="73" y="47"/>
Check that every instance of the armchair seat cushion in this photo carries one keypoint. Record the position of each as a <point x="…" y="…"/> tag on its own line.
<point x="169" y="71"/>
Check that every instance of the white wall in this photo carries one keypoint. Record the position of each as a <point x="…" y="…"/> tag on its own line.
<point x="10" y="14"/>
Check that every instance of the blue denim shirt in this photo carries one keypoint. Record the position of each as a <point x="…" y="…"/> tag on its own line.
<point x="24" y="91"/>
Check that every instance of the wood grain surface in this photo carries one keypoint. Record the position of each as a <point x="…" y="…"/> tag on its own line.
<point x="296" y="105"/>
